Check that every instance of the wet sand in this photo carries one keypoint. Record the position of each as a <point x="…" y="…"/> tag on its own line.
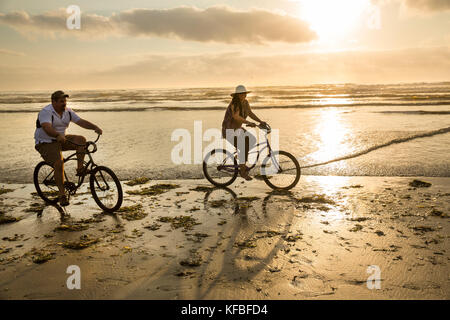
<point x="246" y="242"/>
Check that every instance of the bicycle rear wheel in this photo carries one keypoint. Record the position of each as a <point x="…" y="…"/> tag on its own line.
<point x="280" y="170"/>
<point x="106" y="189"/>
<point x="44" y="182"/>
<point x="220" y="167"/>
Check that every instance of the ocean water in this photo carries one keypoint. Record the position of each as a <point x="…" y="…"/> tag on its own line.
<point x="348" y="129"/>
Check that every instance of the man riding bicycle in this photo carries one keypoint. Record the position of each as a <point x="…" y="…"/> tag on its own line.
<point x="50" y="138"/>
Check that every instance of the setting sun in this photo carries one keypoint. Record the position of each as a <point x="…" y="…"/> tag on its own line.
<point x="331" y="19"/>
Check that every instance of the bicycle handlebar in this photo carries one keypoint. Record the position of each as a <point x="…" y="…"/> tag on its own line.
<point x="87" y="142"/>
<point x="264" y="127"/>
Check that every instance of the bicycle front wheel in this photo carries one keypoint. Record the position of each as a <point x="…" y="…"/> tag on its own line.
<point x="106" y="189"/>
<point x="280" y="170"/>
<point x="220" y="167"/>
<point x="44" y="182"/>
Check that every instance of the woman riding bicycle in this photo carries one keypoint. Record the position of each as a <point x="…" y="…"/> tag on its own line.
<point x="237" y="112"/>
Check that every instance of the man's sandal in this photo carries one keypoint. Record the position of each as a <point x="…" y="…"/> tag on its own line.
<point x="63" y="201"/>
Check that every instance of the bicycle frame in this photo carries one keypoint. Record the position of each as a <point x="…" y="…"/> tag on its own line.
<point x="90" y="165"/>
<point x="232" y="168"/>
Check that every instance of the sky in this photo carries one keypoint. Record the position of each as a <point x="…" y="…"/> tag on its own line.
<point x="208" y="43"/>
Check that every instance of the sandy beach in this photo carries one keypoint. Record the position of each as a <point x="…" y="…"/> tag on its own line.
<point x="182" y="239"/>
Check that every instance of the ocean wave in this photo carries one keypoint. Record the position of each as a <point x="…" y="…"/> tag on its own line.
<point x="210" y="108"/>
<point x="419" y="112"/>
<point x="383" y="145"/>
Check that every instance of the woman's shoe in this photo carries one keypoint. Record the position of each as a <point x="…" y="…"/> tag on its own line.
<point x="243" y="171"/>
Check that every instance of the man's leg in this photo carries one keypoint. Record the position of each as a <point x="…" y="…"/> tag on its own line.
<point x="80" y="150"/>
<point x="51" y="153"/>
<point x="58" y="166"/>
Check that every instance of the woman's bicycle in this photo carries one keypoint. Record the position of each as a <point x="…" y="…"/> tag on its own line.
<point x="104" y="185"/>
<point x="280" y="169"/>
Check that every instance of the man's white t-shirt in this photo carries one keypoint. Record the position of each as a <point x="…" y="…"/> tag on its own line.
<point x="60" y="124"/>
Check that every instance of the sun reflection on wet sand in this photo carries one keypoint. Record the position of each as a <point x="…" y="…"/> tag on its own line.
<point x="331" y="188"/>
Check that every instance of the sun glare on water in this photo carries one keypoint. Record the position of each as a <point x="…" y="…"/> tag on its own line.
<point x="332" y="19"/>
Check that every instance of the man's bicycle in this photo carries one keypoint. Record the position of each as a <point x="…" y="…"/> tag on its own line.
<point x="280" y="169"/>
<point x="104" y="185"/>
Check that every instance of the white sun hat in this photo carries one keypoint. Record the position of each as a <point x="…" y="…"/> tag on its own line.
<point x="240" y="89"/>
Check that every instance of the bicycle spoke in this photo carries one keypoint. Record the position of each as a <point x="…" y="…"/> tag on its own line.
<point x="45" y="183"/>
<point x="106" y="189"/>
<point x="281" y="170"/>
<point x="219" y="167"/>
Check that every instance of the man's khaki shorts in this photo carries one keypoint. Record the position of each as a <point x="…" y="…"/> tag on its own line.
<point x="51" y="152"/>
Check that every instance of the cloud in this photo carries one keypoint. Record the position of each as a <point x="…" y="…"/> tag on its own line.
<point x="11" y="52"/>
<point x="409" y="65"/>
<point x="54" y="24"/>
<point x="215" y="24"/>
<point x="430" y="64"/>
<point x="424" y="6"/>
<point x="428" y="5"/>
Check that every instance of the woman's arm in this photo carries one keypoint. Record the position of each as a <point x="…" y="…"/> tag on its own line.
<point x="237" y="117"/>
<point x="252" y="115"/>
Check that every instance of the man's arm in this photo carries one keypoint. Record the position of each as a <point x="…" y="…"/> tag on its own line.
<point x="52" y="132"/>
<point x="88" y="125"/>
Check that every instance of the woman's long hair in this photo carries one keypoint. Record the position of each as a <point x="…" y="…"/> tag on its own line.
<point x="237" y="103"/>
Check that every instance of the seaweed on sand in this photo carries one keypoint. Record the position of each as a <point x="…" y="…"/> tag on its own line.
<point x="185" y="222"/>
<point x="42" y="256"/>
<point x="36" y="207"/>
<point x="154" y="190"/>
<point x="201" y="189"/>
<point x="7" y="219"/>
<point x="423" y="229"/>
<point x="217" y="203"/>
<point x="318" y="198"/>
<point x="248" y="243"/>
<point x="52" y="193"/>
<point x="134" y="212"/>
<point x="356" y="228"/>
<point x="136" y="181"/>
<point x="248" y="198"/>
<point x="4" y="190"/>
<point x="85" y="241"/>
<point x="5" y="250"/>
<point x="16" y="237"/>
<point x="437" y="213"/>
<point x="419" y="184"/>
<point x="154" y="226"/>
<point x="353" y="186"/>
<point x="71" y="227"/>
<point x="293" y="238"/>
<point x="193" y="261"/>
